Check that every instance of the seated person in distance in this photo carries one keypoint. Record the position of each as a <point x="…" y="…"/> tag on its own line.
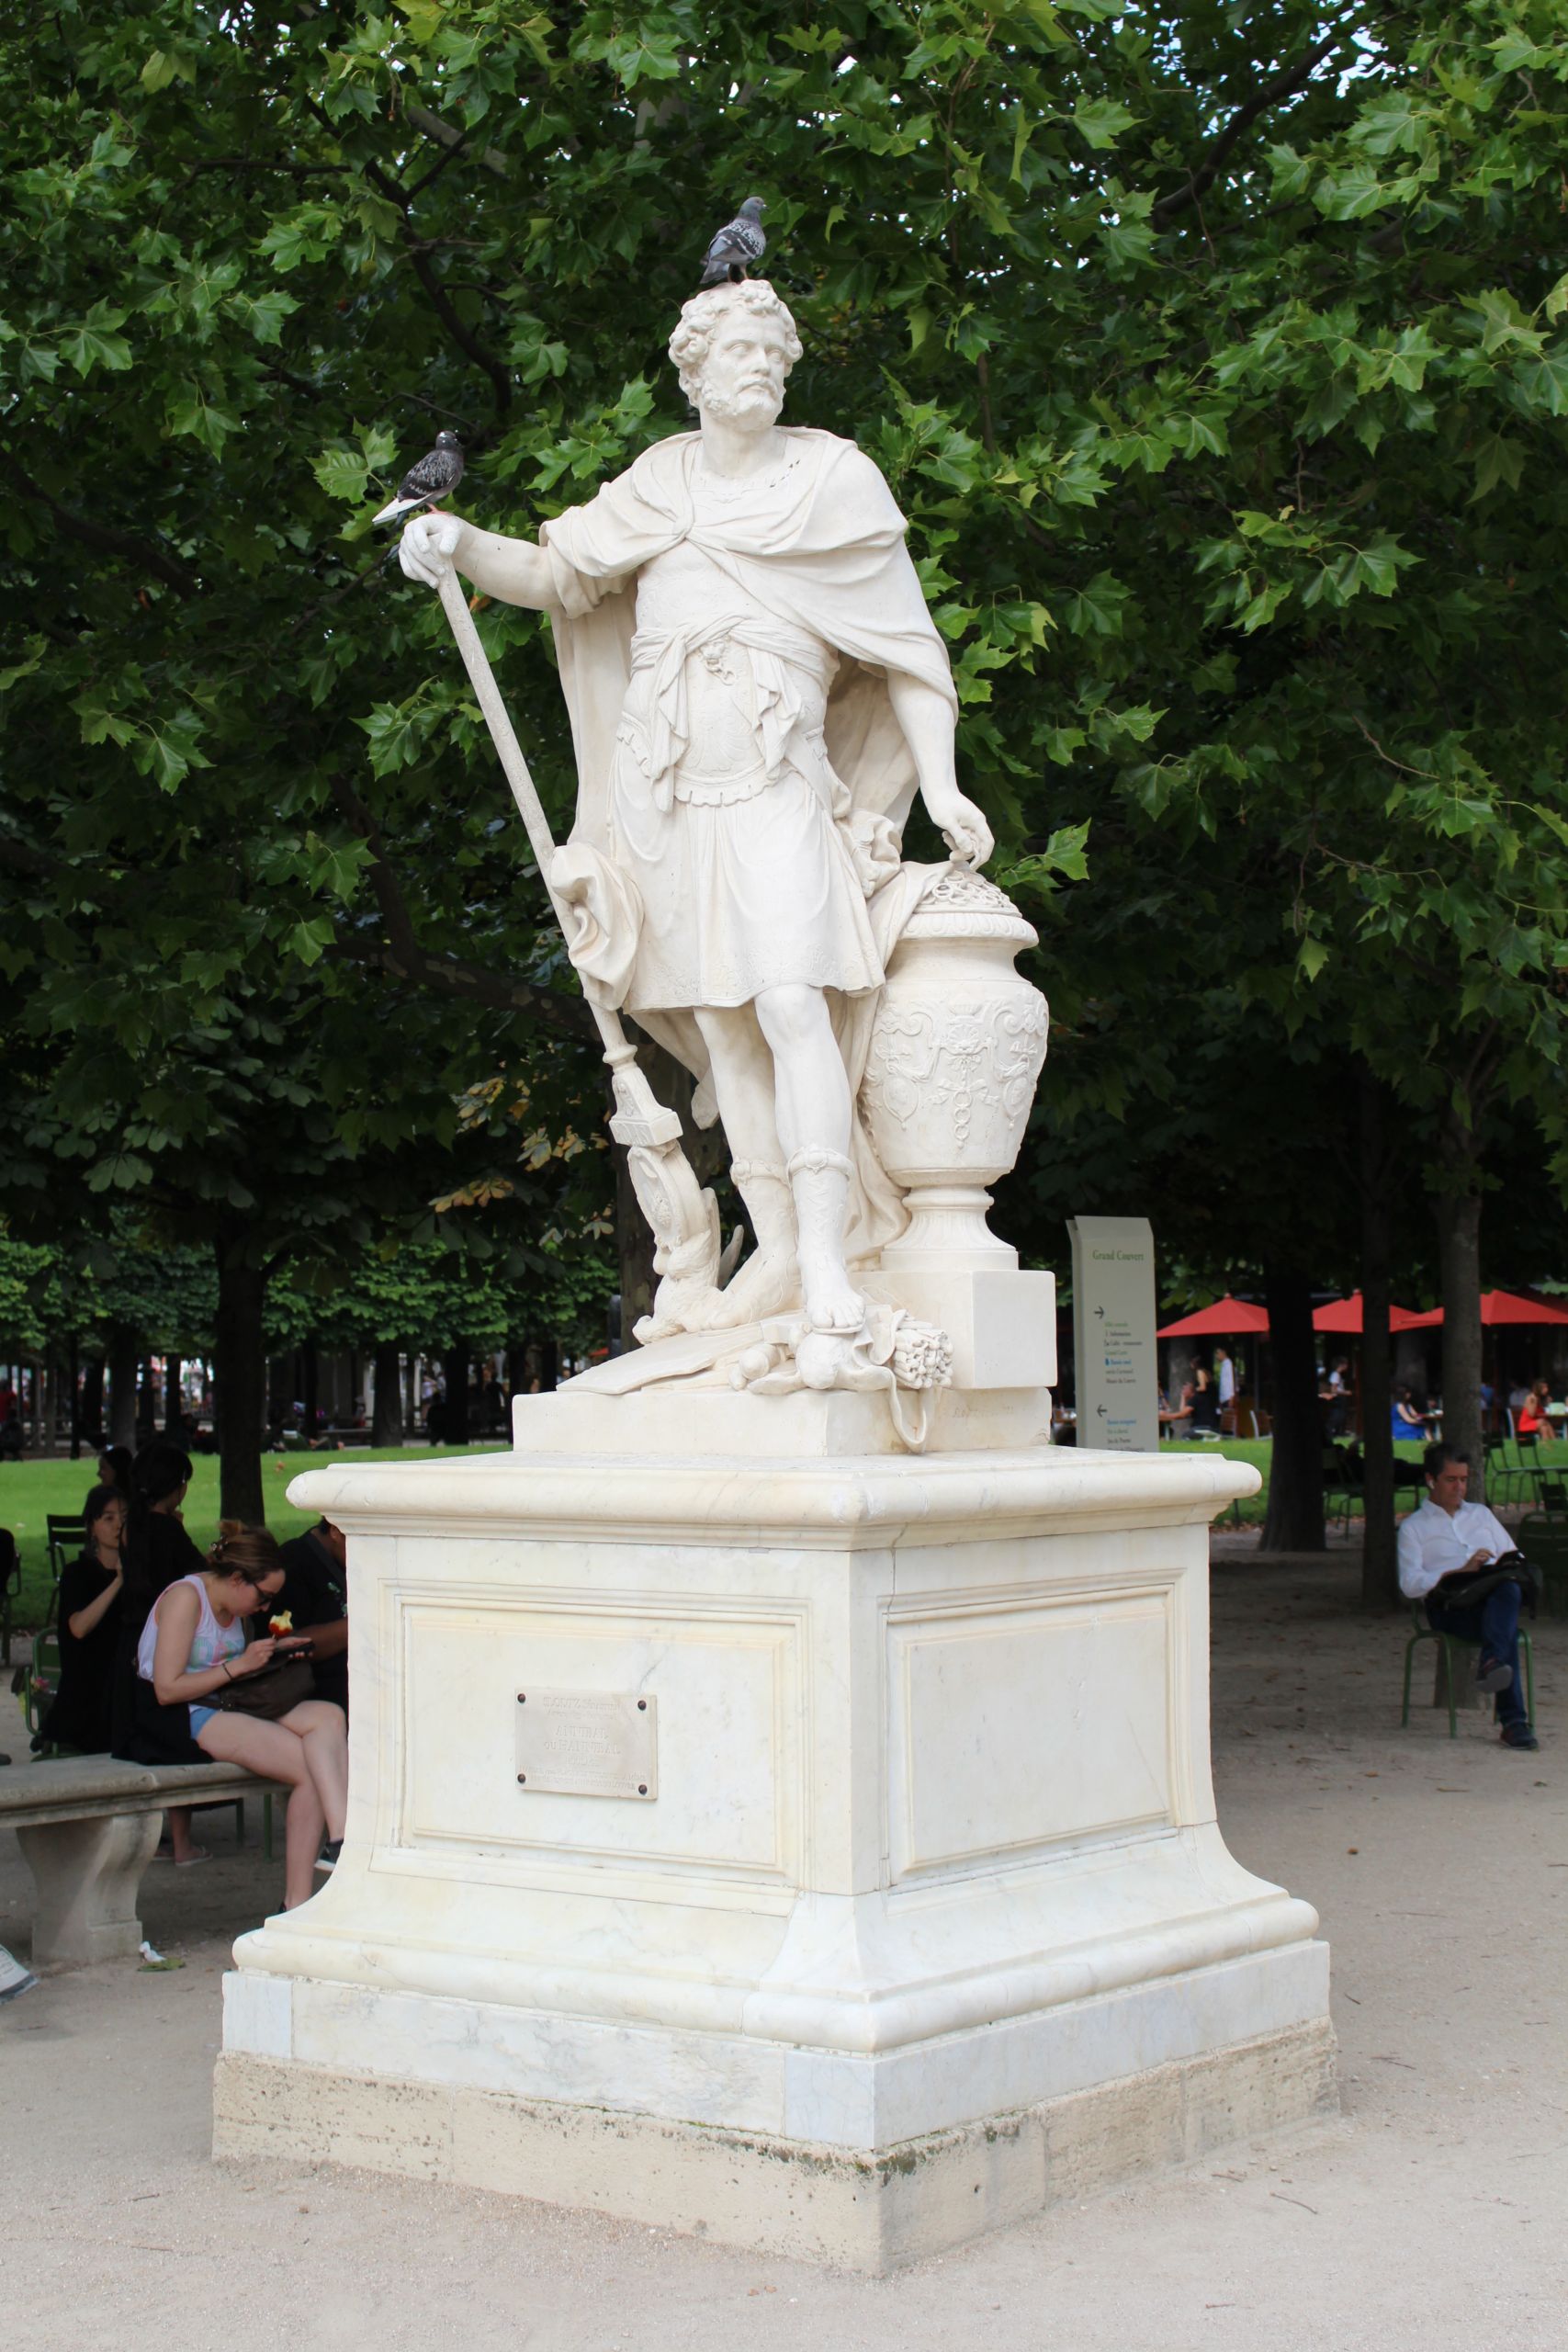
<point x="1448" y="1541"/>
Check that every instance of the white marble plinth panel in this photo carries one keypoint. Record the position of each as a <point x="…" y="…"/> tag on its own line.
<point x="1078" y="1693"/>
<point x="730" y="1698"/>
<point x="932" y="1834"/>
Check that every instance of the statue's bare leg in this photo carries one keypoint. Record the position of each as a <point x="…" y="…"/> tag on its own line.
<point x="813" y="1111"/>
<point x="769" y="1282"/>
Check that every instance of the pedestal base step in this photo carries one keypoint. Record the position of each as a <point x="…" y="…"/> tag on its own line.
<point x="867" y="2212"/>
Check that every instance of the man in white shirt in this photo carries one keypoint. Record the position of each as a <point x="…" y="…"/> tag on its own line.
<point x="1447" y="1541"/>
<point x="1224" y="1375"/>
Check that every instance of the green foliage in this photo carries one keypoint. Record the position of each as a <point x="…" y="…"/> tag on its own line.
<point x="78" y="1290"/>
<point x="426" y="1298"/>
<point x="1216" y="356"/>
<point x="421" y="1295"/>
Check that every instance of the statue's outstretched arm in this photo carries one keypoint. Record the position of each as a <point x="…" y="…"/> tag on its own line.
<point x="928" y="722"/>
<point x="513" y="570"/>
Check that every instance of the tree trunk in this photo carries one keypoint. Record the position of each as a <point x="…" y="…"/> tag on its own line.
<point x="1380" y="1576"/>
<point x="549" y="1363"/>
<point x="124" y="1356"/>
<point x="310" y="1381"/>
<point x="1181" y="1362"/>
<point x="92" y="1399"/>
<point x="387" y="1425"/>
<point x="1459" y="1257"/>
<point x="1294" y="1522"/>
<point x="454" y="1364"/>
<point x="173" y="1403"/>
<point x="240" y="1382"/>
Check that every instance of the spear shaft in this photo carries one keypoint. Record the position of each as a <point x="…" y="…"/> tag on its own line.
<point x="681" y="1215"/>
<point x="481" y="678"/>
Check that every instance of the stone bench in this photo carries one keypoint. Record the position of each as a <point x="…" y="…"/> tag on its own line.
<point x="89" y="1827"/>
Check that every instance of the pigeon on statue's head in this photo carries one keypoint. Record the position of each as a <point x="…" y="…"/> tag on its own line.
<point x="737" y="245"/>
<point x="435" y="477"/>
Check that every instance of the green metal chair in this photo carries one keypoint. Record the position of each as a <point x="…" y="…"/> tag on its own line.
<point x="1340" y="1492"/>
<point x="1542" y="1537"/>
<point x="10" y="1588"/>
<point x="42" y="1681"/>
<point x="65" y="1534"/>
<point x="1506" y="1482"/>
<point x="1451" y="1645"/>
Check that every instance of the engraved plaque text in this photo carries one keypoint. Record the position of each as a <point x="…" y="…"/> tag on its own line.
<point x="587" y="1743"/>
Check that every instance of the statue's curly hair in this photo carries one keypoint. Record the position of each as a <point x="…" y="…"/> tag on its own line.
<point x="699" y="317"/>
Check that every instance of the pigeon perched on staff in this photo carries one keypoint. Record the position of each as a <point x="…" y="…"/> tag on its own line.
<point x="435" y="477"/>
<point x="737" y="245"/>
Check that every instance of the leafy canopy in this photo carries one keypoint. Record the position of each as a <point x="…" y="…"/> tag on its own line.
<point x="1218" y="355"/>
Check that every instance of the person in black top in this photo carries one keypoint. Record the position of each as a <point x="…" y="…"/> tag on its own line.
<point x="157" y="1553"/>
<point x="115" y="1467"/>
<point x="315" y="1593"/>
<point x="1205" y="1402"/>
<point x="90" y="1592"/>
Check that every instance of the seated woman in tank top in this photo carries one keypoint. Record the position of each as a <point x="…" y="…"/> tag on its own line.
<point x="194" y="1644"/>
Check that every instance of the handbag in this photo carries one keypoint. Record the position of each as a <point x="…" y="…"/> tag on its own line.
<point x="268" y="1694"/>
<point x="1509" y="1568"/>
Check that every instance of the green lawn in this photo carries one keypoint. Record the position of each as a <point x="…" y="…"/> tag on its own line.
<point x="1257" y="1451"/>
<point x="31" y="1490"/>
<point x="1551" y="1456"/>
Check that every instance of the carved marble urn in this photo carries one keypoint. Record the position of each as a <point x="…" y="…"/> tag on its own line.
<point x="956" y="1049"/>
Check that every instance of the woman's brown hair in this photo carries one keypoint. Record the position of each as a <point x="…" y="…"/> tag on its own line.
<point x="248" y="1552"/>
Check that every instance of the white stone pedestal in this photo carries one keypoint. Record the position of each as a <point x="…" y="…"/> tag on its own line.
<point x="925" y="1920"/>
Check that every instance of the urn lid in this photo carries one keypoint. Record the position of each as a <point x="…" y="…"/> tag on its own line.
<point x="959" y="904"/>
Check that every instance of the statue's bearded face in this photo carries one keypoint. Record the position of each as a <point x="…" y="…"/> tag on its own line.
<point x="743" y="374"/>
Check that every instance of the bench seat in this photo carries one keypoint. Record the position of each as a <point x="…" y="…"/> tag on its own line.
<point x="89" y="1827"/>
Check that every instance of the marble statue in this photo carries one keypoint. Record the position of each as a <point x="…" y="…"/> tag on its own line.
<point x="779" y="1791"/>
<point x="757" y="691"/>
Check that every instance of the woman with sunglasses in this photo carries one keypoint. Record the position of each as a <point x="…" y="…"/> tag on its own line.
<point x="195" y="1645"/>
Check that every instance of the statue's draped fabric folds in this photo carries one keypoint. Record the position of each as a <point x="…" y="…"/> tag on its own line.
<point x="724" y="650"/>
<point x="757" y="693"/>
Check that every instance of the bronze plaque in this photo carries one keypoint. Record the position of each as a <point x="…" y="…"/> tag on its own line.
<point x="587" y="1743"/>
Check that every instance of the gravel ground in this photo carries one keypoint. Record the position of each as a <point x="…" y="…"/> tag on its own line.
<point x="1429" y="2215"/>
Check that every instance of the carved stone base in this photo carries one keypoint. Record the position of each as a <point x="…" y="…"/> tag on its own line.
<point x="875" y="1810"/>
<point x="868" y="2213"/>
<point x="89" y="1877"/>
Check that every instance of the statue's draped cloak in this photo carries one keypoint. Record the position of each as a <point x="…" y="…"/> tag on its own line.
<point x="820" y="546"/>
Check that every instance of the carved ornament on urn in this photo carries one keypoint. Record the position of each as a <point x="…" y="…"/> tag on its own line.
<point x="957" y="1046"/>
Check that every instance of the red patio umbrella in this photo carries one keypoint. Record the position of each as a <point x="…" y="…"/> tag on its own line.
<point x="1344" y="1315"/>
<point x="1223" y="1320"/>
<point x="1497" y="1306"/>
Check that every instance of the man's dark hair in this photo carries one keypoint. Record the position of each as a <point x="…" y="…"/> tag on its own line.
<point x="1437" y="1457"/>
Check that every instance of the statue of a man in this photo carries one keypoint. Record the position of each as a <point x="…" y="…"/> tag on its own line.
<point x="757" y="690"/>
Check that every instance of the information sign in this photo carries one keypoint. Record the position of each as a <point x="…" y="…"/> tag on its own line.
<point x="1113" y="1333"/>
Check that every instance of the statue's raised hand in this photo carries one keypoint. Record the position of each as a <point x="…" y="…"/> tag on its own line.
<point x="962" y="826"/>
<point x="428" y="546"/>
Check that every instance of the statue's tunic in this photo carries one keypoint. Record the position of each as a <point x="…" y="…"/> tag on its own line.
<point x="725" y="649"/>
<point x="721" y="805"/>
<point x="724" y="811"/>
